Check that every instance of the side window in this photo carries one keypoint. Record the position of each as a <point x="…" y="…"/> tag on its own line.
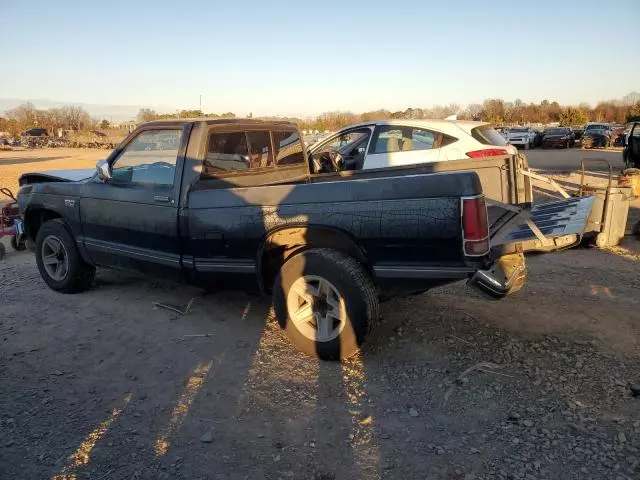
<point x="288" y="148"/>
<point x="226" y="152"/>
<point x="149" y="159"/>
<point x="260" y="149"/>
<point x="391" y="138"/>
<point x="349" y="138"/>
<point x="421" y="139"/>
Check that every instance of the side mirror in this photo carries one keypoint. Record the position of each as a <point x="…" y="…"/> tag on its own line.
<point x="104" y="171"/>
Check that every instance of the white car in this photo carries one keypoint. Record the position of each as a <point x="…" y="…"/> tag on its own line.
<point x="522" y="137"/>
<point x="391" y="143"/>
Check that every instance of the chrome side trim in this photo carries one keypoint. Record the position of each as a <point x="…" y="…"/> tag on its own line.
<point x="171" y="260"/>
<point x="402" y="271"/>
<point x="202" y="265"/>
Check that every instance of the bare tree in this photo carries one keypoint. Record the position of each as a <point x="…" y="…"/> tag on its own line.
<point x="147" y="114"/>
<point x="25" y="115"/>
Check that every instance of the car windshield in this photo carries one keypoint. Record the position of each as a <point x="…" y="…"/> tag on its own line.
<point x="557" y="131"/>
<point x="596" y="127"/>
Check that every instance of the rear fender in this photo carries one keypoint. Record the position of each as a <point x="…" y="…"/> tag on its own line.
<point x="282" y="244"/>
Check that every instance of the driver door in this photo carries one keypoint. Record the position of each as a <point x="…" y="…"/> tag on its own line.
<point x="131" y="220"/>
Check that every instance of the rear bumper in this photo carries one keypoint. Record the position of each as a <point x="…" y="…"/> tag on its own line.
<point x="554" y="143"/>
<point x="507" y="276"/>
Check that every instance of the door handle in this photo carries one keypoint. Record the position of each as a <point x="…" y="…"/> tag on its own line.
<point x="161" y="198"/>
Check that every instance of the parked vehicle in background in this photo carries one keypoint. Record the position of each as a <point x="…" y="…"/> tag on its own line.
<point x="577" y="130"/>
<point x="232" y="204"/>
<point x="522" y="137"/>
<point x="392" y="143"/>
<point x="596" y="135"/>
<point x="617" y="135"/>
<point x="561" y="137"/>
<point x="537" y="140"/>
<point x="631" y="152"/>
<point x="504" y="131"/>
<point x="36" y="132"/>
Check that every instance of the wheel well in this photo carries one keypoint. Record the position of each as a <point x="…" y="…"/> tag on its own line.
<point x="283" y="244"/>
<point x="34" y="218"/>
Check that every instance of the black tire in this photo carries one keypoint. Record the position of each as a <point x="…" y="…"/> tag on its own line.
<point x="355" y="288"/>
<point x="18" y="246"/>
<point x="79" y="274"/>
<point x="3" y="250"/>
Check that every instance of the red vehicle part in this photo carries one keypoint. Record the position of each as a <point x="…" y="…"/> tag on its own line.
<point x="9" y="213"/>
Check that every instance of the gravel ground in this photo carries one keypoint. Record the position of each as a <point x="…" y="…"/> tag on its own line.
<point x="106" y="385"/>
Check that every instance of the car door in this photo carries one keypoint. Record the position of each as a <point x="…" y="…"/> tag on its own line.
<point x="130" y="221"/>
<point x="634" y="145"/>
<point x="396" y="145"/>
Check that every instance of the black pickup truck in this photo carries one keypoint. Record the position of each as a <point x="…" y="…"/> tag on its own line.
<point x="231" y="204"/>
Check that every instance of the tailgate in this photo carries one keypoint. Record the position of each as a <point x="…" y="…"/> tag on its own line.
<point x="543" y="223"/>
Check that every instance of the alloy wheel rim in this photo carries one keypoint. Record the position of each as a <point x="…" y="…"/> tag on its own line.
<point x="55" y="258"/>
<point x="316" y="308"/>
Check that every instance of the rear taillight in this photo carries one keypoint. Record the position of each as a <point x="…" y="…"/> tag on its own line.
<point x="475" y="226"/>
<point x="489" y="152"/>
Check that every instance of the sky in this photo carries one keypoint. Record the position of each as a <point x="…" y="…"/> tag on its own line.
<point x="306" y="57"/>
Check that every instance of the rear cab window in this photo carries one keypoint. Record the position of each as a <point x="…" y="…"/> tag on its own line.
<point x="288" y="148"/>
<point x="246" y="151"/>
<point x="487" y="135"/>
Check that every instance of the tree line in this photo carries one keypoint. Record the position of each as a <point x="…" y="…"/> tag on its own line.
<point x="26" y="116"/>
<point x="492" y="110"/>
<point x="495" y="111"/>
<point x="147" y="115"/>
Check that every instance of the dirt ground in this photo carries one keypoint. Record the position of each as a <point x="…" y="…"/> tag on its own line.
<point x="15" y="163"/>
<point x="106" y="385"/>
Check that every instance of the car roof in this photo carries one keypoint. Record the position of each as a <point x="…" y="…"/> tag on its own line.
<point x="421" y="123"/>
<point x="217" y="121"/>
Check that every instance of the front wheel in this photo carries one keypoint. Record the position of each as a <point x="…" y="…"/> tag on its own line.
<point x="326" y="303"/>
<point x="59" y="262"/>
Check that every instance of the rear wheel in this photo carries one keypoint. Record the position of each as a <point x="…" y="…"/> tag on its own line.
<point x="3" y="250"/>
<point x="59" y="262"/>
<point x="326" y="303"/>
